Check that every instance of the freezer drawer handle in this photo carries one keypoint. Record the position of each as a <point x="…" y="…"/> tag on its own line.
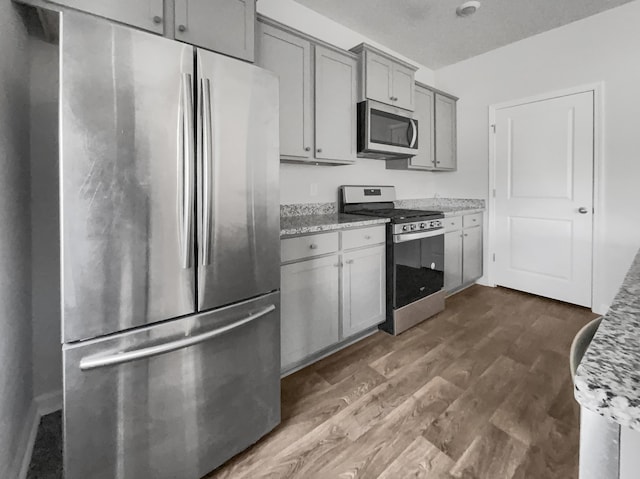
<point x="94" y="362"/>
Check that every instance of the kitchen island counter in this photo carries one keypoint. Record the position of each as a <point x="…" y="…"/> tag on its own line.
<point x="607" y="381"/>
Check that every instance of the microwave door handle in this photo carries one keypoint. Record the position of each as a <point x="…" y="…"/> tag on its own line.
<point x="414" y="135"/>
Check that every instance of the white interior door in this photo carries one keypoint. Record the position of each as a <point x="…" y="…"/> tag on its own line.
<point x="544" y="197"/>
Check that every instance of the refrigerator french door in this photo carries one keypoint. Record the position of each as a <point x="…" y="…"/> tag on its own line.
<point x="170" y="253"/>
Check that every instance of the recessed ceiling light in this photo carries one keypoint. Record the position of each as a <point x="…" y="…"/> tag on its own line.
<point x="467" y="9"/>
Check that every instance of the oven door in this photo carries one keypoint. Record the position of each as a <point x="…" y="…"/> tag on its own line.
<point x="418" y="266"/>
<point x="386" y="129"/>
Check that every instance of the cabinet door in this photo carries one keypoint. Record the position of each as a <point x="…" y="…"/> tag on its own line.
<point x="289" y="57"/>
<point x="363" y="289"/>
<point x="225" y="26"/>
<point x="452" y="260"/>
<point x="335" y="105"/>
<point x="445" y="132"/>
<point x="145" y="14"/>
<point x="310" y="307"/>
<point x="424" y="114"/>
<point x="379" y="75"/>
<point x="403" y="87"/>
<point x="472" y="254"/>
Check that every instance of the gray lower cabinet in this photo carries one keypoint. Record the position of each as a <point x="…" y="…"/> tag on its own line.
<point x="310" y="307"/>
<point x="333" y="286"/>
<point x="471" y="254"/>
<point x="462" y="251"/>
<point x="223" y="26"/>
<point x="452" y="260"/>
<point x="363" y="289"/>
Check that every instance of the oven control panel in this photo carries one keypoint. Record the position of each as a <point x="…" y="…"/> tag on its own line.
<point x="424" y="225"/>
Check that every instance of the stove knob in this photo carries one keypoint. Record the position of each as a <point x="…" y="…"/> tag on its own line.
<point x="405" y="228"/>
<point x="423" y="226"/>
<point x="413" y="227"/>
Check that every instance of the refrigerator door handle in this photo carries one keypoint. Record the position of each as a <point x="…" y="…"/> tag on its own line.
<point x="207" y="153"/>
<point x="187" y="174"/>
<point x="95" y="362"/>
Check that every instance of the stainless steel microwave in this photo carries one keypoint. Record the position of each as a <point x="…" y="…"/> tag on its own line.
<point x="385" y="131"/>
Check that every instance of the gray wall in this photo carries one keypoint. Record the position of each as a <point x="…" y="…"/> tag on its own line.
<point x="45" y="233"/>
<point x="15" y="242"/>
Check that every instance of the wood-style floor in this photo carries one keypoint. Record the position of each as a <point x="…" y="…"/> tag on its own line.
<point x="480" y="391"/>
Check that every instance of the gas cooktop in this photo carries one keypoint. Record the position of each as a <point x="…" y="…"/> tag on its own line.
<point x="397" y="214"/>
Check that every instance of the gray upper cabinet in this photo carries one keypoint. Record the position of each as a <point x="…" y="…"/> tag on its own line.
<point x="318" y="95"/>
<point x="425" y="116"/>
<point x="289" y="57"/>
<point x="445" y="121"/>
<point x="403" y="87"/>
<point x="436" y="115"/>
<point x="384" y="78"/>
<point x="144" y="14"/>
<point x="224" y="26"/>
<point x="335" y="105"/>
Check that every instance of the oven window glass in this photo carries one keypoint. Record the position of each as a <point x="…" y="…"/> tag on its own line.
<point x="389" y="129"/>
<point x="419" y="269"/>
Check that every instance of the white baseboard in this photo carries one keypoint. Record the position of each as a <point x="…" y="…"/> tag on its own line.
<point x="27" y="441"/>
<point x="49" y="402"/>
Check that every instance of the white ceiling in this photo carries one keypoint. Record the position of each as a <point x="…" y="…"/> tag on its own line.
<point x="429" y="32"/>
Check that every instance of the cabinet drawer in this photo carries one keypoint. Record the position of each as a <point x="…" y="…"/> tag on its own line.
<point x="472" y="220"/>
<point x="452" y="223"/>
<point x="363" y="237"/>
<point x="292" y="249"/>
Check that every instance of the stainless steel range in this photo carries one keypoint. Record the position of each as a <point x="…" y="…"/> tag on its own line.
<point x="415" y="255"/>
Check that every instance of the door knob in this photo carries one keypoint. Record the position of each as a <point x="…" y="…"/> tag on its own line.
<point x="582" y="210"/>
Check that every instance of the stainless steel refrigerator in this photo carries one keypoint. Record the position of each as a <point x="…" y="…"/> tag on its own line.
<point x="169" y="194"/>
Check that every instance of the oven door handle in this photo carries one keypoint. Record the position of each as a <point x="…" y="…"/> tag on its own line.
<point x="401" y="238"/>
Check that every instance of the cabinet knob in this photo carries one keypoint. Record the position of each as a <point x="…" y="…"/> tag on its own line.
<point x="157" y="19"/>
<point x="182" y="28"/>
<point x="367" y="237"/>
<point x="313" y="246"/>
<point x="349" y="261"/>
<point x="466" y="234"/>
<point x="437" y="162"/>
<point x="307" y="148"/>
<point x="319" y="150"/>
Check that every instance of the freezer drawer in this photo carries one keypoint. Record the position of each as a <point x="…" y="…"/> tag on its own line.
<point x="137" y="407"/>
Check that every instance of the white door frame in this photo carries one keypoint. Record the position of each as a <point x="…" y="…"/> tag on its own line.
<point x="597" y="304"/>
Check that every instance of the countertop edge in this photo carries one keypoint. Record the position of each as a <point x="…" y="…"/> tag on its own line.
<point x="606" y="380"/>
<point x="324" y="228"/>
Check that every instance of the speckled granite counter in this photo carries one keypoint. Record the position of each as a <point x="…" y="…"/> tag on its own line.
<point x="449" y="206"/>
<point x="305" y="218"/>
<point x="608" y="378"/>
<point x="304" y="224"/>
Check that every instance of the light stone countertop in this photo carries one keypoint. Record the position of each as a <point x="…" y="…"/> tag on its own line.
<point x="607" y="381"/>
<point x="306" y="218"/>
<point x="305" y="224"/>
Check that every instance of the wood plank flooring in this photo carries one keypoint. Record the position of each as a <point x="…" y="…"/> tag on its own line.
<point x="480" y="391"/>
